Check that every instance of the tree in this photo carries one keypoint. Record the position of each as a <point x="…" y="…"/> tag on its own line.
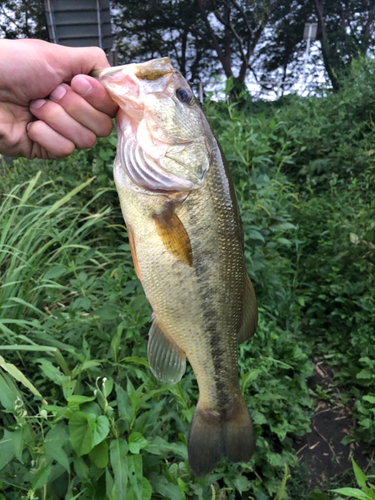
<point x="145" y="30"/>
<point x="346" y="30"/>
<point x="23" y="19"/>
<point x="202" y="35"/>
<point x="278" y="58"/>
<point x="227" y="37"/>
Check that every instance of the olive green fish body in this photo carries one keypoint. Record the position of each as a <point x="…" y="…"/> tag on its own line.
<point x="186" y="240"/>
<point x="196" y="310"/>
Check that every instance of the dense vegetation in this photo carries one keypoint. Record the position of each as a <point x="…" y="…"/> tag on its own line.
<point x="81" y="416"/>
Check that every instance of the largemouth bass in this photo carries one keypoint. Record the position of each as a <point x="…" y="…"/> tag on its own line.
<point x="186" y="240"/>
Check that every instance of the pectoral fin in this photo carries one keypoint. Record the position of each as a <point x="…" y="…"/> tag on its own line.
<point x="173" y="234"/>
<point x="250" y="313"/>
<point x="167" y="361"/>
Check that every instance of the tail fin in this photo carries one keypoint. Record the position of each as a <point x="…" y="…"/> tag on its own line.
<point x="213" y="436"/>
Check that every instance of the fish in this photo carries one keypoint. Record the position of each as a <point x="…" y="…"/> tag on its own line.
<point x="186" y="241"/>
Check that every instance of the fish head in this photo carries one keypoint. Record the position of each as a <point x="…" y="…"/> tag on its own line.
<point x="164" y="140"/>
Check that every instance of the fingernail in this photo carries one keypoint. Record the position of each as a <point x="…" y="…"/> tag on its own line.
<point x="58" y="93"/>
<point x="82" y="86"/>
<point x="28" y="126"/>
<point x="38" y="103"/>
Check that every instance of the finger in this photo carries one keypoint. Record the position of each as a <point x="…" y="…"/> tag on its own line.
<point x="94" y="93"/>
<point x="83" y="60"/>
<point x="59" y="120"/>
<point x="50" y="140"/>
<point x="79" y="109"/>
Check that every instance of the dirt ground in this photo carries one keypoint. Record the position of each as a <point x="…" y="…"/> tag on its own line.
<point x="321" y="450"/>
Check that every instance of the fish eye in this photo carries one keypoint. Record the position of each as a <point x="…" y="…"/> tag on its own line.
<point x="184" y="95"/>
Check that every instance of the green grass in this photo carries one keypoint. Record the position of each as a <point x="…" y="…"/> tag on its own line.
<point x="81" y="415"/>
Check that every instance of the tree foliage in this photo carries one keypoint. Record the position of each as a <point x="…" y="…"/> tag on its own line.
<point x="152" y="29"/>
<point x="226" y="37"/>
<point x="234" y="37"/>
<point x="346" y="30"/>
<point x="23" y="19"/>
<point x="201" y="35"/>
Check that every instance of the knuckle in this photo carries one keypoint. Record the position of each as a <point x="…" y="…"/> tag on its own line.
<point x="34" y="128"/>
<point x="50" y="112"/>
<point x="99" y="54"/>
<point x="106" y="128"/>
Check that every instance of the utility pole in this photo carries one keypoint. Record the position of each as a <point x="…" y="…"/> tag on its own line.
<point x="309" y="34"/>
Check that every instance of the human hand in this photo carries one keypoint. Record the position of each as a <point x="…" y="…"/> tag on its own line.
<point x="48" y="104"/>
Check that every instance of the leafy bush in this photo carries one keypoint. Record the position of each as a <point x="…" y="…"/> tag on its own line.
<point x="363" y="492"/>
<point x="336" y="257"/>
<point x="334" y="135"/>
<point x="82" y="298"/>
<point x="81" y="416"/>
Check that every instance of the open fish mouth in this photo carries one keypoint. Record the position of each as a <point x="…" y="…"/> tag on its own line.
<point x="162" y="137"/>
<point x="128" y="84"/>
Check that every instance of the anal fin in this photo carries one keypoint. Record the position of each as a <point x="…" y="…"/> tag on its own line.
<point x="167" y="361"/>
<point x="250" y="313"/>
